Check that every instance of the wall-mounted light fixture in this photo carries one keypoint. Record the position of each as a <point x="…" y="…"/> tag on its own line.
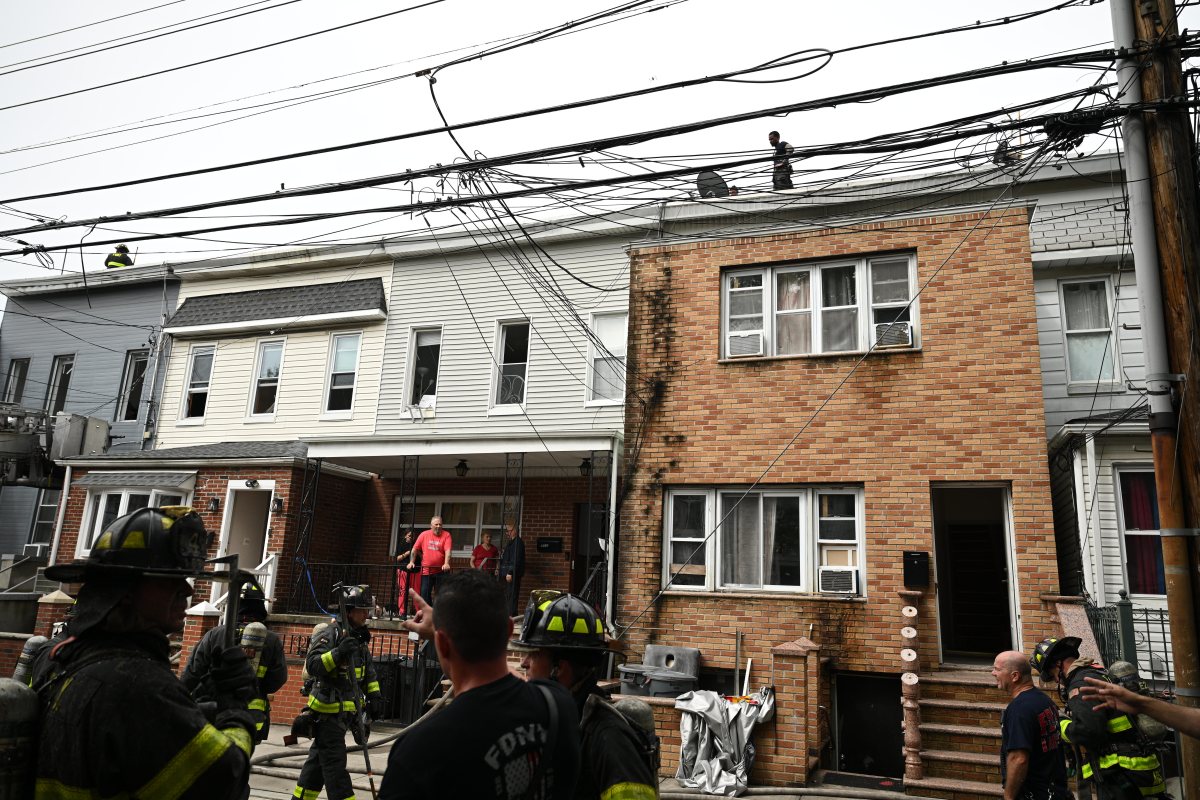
<point x="277" y="505"/>
<point x="461" y="469"/>
<point x="252" y="484"/>
<point x="213" y="504"/>
<point x="585" y="467"/>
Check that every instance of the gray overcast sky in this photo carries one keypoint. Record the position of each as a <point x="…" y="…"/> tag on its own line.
<point x="686" y="39"/>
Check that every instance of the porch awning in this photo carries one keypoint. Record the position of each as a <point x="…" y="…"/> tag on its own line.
<point x="294" y="306"/>
<point x="153" y="480"/>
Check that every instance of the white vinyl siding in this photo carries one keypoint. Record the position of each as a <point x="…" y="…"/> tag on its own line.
<point x="1089" y="336"/>
<point x="198" y="382"/>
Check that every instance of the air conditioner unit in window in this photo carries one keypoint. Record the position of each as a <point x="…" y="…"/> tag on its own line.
<point x="38" y="552"/>
<point x="893" y="334"/>
<point x="837" y="580"/>
<point x="745" y="344"/>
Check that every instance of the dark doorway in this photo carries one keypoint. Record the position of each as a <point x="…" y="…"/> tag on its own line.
<point x="591" y="527"/>
<point x="867" y="722"/>
<point x="969" y="528"/>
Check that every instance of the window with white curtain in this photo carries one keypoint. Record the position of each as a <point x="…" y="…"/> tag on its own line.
<point x="768" y="540"/>
<point x="1088" y="329"/>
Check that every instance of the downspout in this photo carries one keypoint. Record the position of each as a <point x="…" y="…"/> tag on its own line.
<point x="610" y="548"/>
<point x="62" y="515"/>
<point x="1085" y="542"/>
<point x="1094" y="506"/>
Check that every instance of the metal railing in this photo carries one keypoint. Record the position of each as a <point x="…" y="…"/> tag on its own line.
<point x="318" y="579"/>
<point x="1141" y="636"/>
<point x="265" y="573"/>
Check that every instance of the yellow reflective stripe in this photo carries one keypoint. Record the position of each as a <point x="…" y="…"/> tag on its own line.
<point x="48" y="789"/>
<point x="330" y="708"/>
<point x="1118" y="724"/>
<point x="258" y="726"/>
<point x="1062" y="729"/>
<point x="188" y="764"/>
<point x="306" y="794"/>
<point x="358" y="672"/>
<point x="257" y="705"/>
<point x="373" y="686"/>
<point x="629" y="791"/>
<point x="1138" y="763"/>
<point x="327" y="660"/>
<point x="262" y="671"/>
<point x="240" y="737"/>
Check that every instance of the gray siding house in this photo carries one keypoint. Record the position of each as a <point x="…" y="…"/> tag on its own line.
<point x="88" y="349"/>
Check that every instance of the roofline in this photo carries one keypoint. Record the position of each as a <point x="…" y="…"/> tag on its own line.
<point x="94" y="279"/>
<point x="143" y="464"/>
<point x="306" y="320"/>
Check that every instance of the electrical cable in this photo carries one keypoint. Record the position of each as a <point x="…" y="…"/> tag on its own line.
<point x="91" y="24"/>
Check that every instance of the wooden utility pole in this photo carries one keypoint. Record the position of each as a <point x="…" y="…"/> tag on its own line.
<point x="1162" y="199"/>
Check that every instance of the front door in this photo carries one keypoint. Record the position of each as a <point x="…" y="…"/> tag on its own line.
<point x="591" y="528"/>
<point x="248" y="526"/>
<point x="970" y="526"/>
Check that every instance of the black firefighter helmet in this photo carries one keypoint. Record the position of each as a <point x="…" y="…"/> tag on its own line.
<point x="170" y="541"/>
<point x="557" y="621"/>
<point x="1049" y="652"/>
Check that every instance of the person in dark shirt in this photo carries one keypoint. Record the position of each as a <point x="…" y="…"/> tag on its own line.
<point x="501" y="737"/>
<point x="512" y="566"/>
<point x="1031" y="758"/>
<point x="118" y="258"/>
<point x="781" y="171"/>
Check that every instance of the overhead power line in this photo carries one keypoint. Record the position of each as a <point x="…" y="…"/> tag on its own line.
<point x="90" y="24"/>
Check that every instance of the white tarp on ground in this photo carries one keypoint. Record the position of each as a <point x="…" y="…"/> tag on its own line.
<point x="716" y="751"/>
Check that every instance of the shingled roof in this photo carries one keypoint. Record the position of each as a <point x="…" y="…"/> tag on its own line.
<point x="221" y="450"/>
<point x="286" y="302"/>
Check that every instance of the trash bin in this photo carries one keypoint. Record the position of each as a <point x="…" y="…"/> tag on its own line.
<point x="634" y="678"/>
<point x="668" y="683"/>
<point x="390" y="669"/>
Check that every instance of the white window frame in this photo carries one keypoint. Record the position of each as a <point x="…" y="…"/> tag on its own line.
<point x="1087" y="385"/>
<point x="89" y="530"/>
<point x="865" y="308"/>
<point x="185" y="389"/>
<point x="425" y="401"/>
<point x="494" y="406"/>
<point x="595" y="354"/>
<point x="342" y="414"/>
<point x="56" y="374"/>
<point x="1122" y="532"/>
<point x="255" y="379"/>
<point x="127" y="387"/>
<point x="9" y="396"/>
<point x="812" y="548"/>
<point x="460" y="550"/>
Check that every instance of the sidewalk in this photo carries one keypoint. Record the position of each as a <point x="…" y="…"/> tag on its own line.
<point x="285" y="768"/>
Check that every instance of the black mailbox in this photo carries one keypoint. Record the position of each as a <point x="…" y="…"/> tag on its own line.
<point x="549" y="544"/>
<point x="916" y="569"/>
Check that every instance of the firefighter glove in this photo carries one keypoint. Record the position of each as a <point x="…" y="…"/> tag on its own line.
<point x="375" y="706"/>
<point x="346" y="649"/>
<point x="233" y="678"/>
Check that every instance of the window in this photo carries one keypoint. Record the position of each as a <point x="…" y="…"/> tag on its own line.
<point x="266" y="378"/>
<point x="426" y="357"/>
<point x="513" y="364"/>
<point x="45" y="516"/>
<point x="343" y="369"/>
<point x="14" y="386"/>
<point x="1139" y="526"/>
<point x="60" y="383"/>
<point x="819" y="308"/>
<point x="607" y="384"/>
<point x="107" y="506"/>
<point x="466" y="518"/>
<point x="132" y="383"/>
<point x="1087" y="328"/>
<point x="199" y="376"/>
<point x="775" y="540"/>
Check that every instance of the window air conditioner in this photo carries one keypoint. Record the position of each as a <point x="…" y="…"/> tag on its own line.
<point x="837" y="580"/>
<point x="36" y="551"/>
<point x="893" y="334"/>
<point x="745" y="344"/>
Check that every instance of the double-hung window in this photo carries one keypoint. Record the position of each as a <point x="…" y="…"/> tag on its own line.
<point x="60" y="383"/>
<point x="198" y="381"/>
<point x="785" y="540"/>
<point x="1087" y="307"/>
<point x="132" y="385"/>
<point x="827" y="307"/>
<point x="14" y="385"/>
<point x="104" y="507"/>
<point x="426" y="358"/>
<point x="607" y="379"/>
<point x="269" y="365"/>
<point x="512" y="365"/>
<point x="1140" y="529"/>
<point x="343" y="373"/>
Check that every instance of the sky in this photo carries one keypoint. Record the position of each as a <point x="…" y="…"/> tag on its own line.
<point x="678" y="40"/>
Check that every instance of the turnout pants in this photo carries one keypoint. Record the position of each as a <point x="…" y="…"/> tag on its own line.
<point x="326" y="764"/>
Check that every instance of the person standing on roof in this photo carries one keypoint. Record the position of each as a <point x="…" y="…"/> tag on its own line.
<point x="781" y="173"/>
<point x="118" y="258"/>
<point x="116" y="722"/>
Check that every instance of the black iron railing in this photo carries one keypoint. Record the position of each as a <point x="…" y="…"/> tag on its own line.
<point x="1141" y="636"/>
<point x="317" y="580"/>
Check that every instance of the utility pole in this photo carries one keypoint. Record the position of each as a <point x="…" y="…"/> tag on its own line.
<point x="1159" y="177"/>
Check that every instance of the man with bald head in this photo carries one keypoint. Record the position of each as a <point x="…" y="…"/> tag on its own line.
<point x="1031" y="760"/>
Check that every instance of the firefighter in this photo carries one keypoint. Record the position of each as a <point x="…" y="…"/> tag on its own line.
<point x="563" y="640"/>
<point x="115" y="721"/>
<point x="1106" y="741"/>
<point x="340" y="664"/>
<point x="118" y="258"/>
<point x="270" y="670"/>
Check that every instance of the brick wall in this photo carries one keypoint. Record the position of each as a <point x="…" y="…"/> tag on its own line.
<point x="11" y="645"/>
<point x="967" y="407"/>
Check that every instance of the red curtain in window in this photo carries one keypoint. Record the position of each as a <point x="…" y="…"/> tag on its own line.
<point x="1142" y="552"/>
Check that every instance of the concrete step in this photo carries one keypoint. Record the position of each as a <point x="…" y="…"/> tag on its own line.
<point x="960" y="738"/>
<point x="953" y="789"/>
<point x="982" y="767"/>
<point x="964" y="685"/>
<point x="960" y="712"/>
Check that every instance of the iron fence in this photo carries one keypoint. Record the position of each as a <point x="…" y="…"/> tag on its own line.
<point x="319" y="578"/>
<point x="1141" y="636"/>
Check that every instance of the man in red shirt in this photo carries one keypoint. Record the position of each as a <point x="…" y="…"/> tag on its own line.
<point x="485" y="555"/>
<point x="434" y="545"/>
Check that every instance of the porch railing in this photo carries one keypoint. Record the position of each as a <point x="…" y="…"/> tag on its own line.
<point x="1141" y="636"/>
<point x="266" y="574"/>
<point x="320" y="577"/>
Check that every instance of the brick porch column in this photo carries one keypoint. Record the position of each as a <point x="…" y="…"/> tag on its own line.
<point x="52" y="609"/>
<point x="796" y="671"/>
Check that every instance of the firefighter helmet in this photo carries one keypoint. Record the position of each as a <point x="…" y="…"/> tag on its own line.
<point x="558" y="621"/>
<point x="1051" y="651"/>
<point x="170" y="541"/>
<point x="358" y="597"/>
<point x="122" y="248"/>
<point x="253" y="603"/>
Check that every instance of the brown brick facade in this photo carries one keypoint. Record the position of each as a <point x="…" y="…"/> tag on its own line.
<point x="966" y="407"/>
